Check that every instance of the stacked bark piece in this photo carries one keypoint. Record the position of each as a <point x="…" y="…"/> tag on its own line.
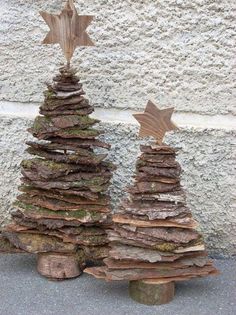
<point x="63" y="209"/>
<point x="153" y="236"/>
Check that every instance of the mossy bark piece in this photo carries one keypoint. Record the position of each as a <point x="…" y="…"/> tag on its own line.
<point x="157" y="163"/>
<point x="119" y="251"/>
<point x="186" y="222"/>
<point x="167" y="172"/>
<point x="47" y="146"/>
<point x="101" y="177"/>
<point x="152" y="187"/>
<point x="48" y="169"/>
<point x="59" y="205"/>
<point x="8" y="248"/>
<point x="151" y="294"/>
<point x="75" y="133"/>
<point x="85" y="194"/>
<point x="64" y="86"/>
<point x="176" y="235"/>
<point x="95" y="252"/>
<point x="158" y="149"/>
<point x="101" y="200"/>
<point x="58" y="267"/>
<point x="158" y="273"/>
<point x="81" y="112"/>
<point x="62" y="95"/>
<point x="95" y="186"/>
<point x="76" y="102"/>
<point x="135" y="239"/>
<point x="44" y="125"/>
<point x="80" y="143"/>
<point x="38" y="243"/>
<point x="199" y="259"/>
<point x="82" y="216"/>
<point x="152" y="210"/>
<point x="173" y="196"/>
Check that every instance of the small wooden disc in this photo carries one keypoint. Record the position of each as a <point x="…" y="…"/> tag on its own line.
<point x="58" y="266"/>
<point x="149" y="293"/>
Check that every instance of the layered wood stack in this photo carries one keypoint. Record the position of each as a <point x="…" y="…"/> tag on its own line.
<point x="153" y="235"/>
<point x="64" y="207"/>
<point x="154" y="241"/>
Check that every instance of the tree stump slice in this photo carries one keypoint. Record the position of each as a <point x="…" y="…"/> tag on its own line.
<point x="151" y="293"/>
<point x="58" y="266"/>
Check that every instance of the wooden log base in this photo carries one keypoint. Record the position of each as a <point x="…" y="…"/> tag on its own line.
<point x="58" y="266"/>
<point x="151" y="293"/>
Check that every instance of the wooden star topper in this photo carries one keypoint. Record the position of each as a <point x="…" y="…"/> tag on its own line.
<point x="155" y="122"/>
<point x="67" y="29"/>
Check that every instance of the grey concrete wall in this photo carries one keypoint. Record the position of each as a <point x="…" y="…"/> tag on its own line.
<point x="176" y="52"/>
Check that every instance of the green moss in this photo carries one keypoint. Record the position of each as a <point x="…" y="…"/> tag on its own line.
<point x="166" y="247"/>
<point x="41" y="122"/>
<point x="54" y="166"/>
<point x="48" y="94"/>
<point x="80" y="132"/>
<point x="80" y="256"/>
<point x="169" y="247"/>
<point x="97" y="239"/>
<point x="5" y="245"/>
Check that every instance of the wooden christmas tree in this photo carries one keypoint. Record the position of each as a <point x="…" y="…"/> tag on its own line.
<point x="154" y="241"/>
<point x="63" y="208"/>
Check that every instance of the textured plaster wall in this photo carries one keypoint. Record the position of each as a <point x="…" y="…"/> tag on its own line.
<point x="177" y="52"/>
<point x="207" y="158"/>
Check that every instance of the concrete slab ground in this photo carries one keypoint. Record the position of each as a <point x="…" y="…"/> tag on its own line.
<point x="24" y="292"/>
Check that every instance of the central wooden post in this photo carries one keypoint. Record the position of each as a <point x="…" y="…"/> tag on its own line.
<point x="150" y="292"/>
<point x="58" y="266"/>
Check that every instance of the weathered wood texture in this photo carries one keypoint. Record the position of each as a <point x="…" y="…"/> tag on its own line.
<point x="68" y="29"/>
<point x="153" y="239"/>
<point x="155" y="122"/>
<point x="57" y="266"/>
<point x="144" y="292"/>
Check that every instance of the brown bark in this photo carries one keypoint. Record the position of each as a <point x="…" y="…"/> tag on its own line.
<point x="101" y="200"/>
<point x="59" y="205"/>
<point x="152" y="187"/>
<point x="77" y="158"/>
<point x="158" y="149"/>
<point x="187" y="222"/>
<point x="38" y="243"/>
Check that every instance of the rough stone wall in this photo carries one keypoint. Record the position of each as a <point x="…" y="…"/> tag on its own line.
<point x="176" y="52"/>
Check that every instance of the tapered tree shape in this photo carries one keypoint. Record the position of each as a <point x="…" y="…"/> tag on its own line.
<point x="154" y="236"/>
<point x="64" y="205"/>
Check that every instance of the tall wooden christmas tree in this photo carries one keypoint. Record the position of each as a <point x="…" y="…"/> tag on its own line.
<point x="154" y="241"/>
<point x="64" y="206"/>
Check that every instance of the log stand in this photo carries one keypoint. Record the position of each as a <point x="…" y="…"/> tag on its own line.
<point x="150" y="292"/>
<point x="58" y="266"/>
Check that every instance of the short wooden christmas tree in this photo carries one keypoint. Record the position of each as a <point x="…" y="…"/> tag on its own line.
<point x="64" y="205"/>
<point x="154" y="241"/>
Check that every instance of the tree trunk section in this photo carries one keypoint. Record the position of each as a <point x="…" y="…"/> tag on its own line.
<point x="58" y="266"/>
<point x="149" y="293"/>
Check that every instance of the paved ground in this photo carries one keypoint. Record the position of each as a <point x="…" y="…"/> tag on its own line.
<point x="24" y="292"/>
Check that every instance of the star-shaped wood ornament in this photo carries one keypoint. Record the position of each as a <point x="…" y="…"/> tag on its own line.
<point x="67" y="29"/>
<point x="155" y="122"/>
